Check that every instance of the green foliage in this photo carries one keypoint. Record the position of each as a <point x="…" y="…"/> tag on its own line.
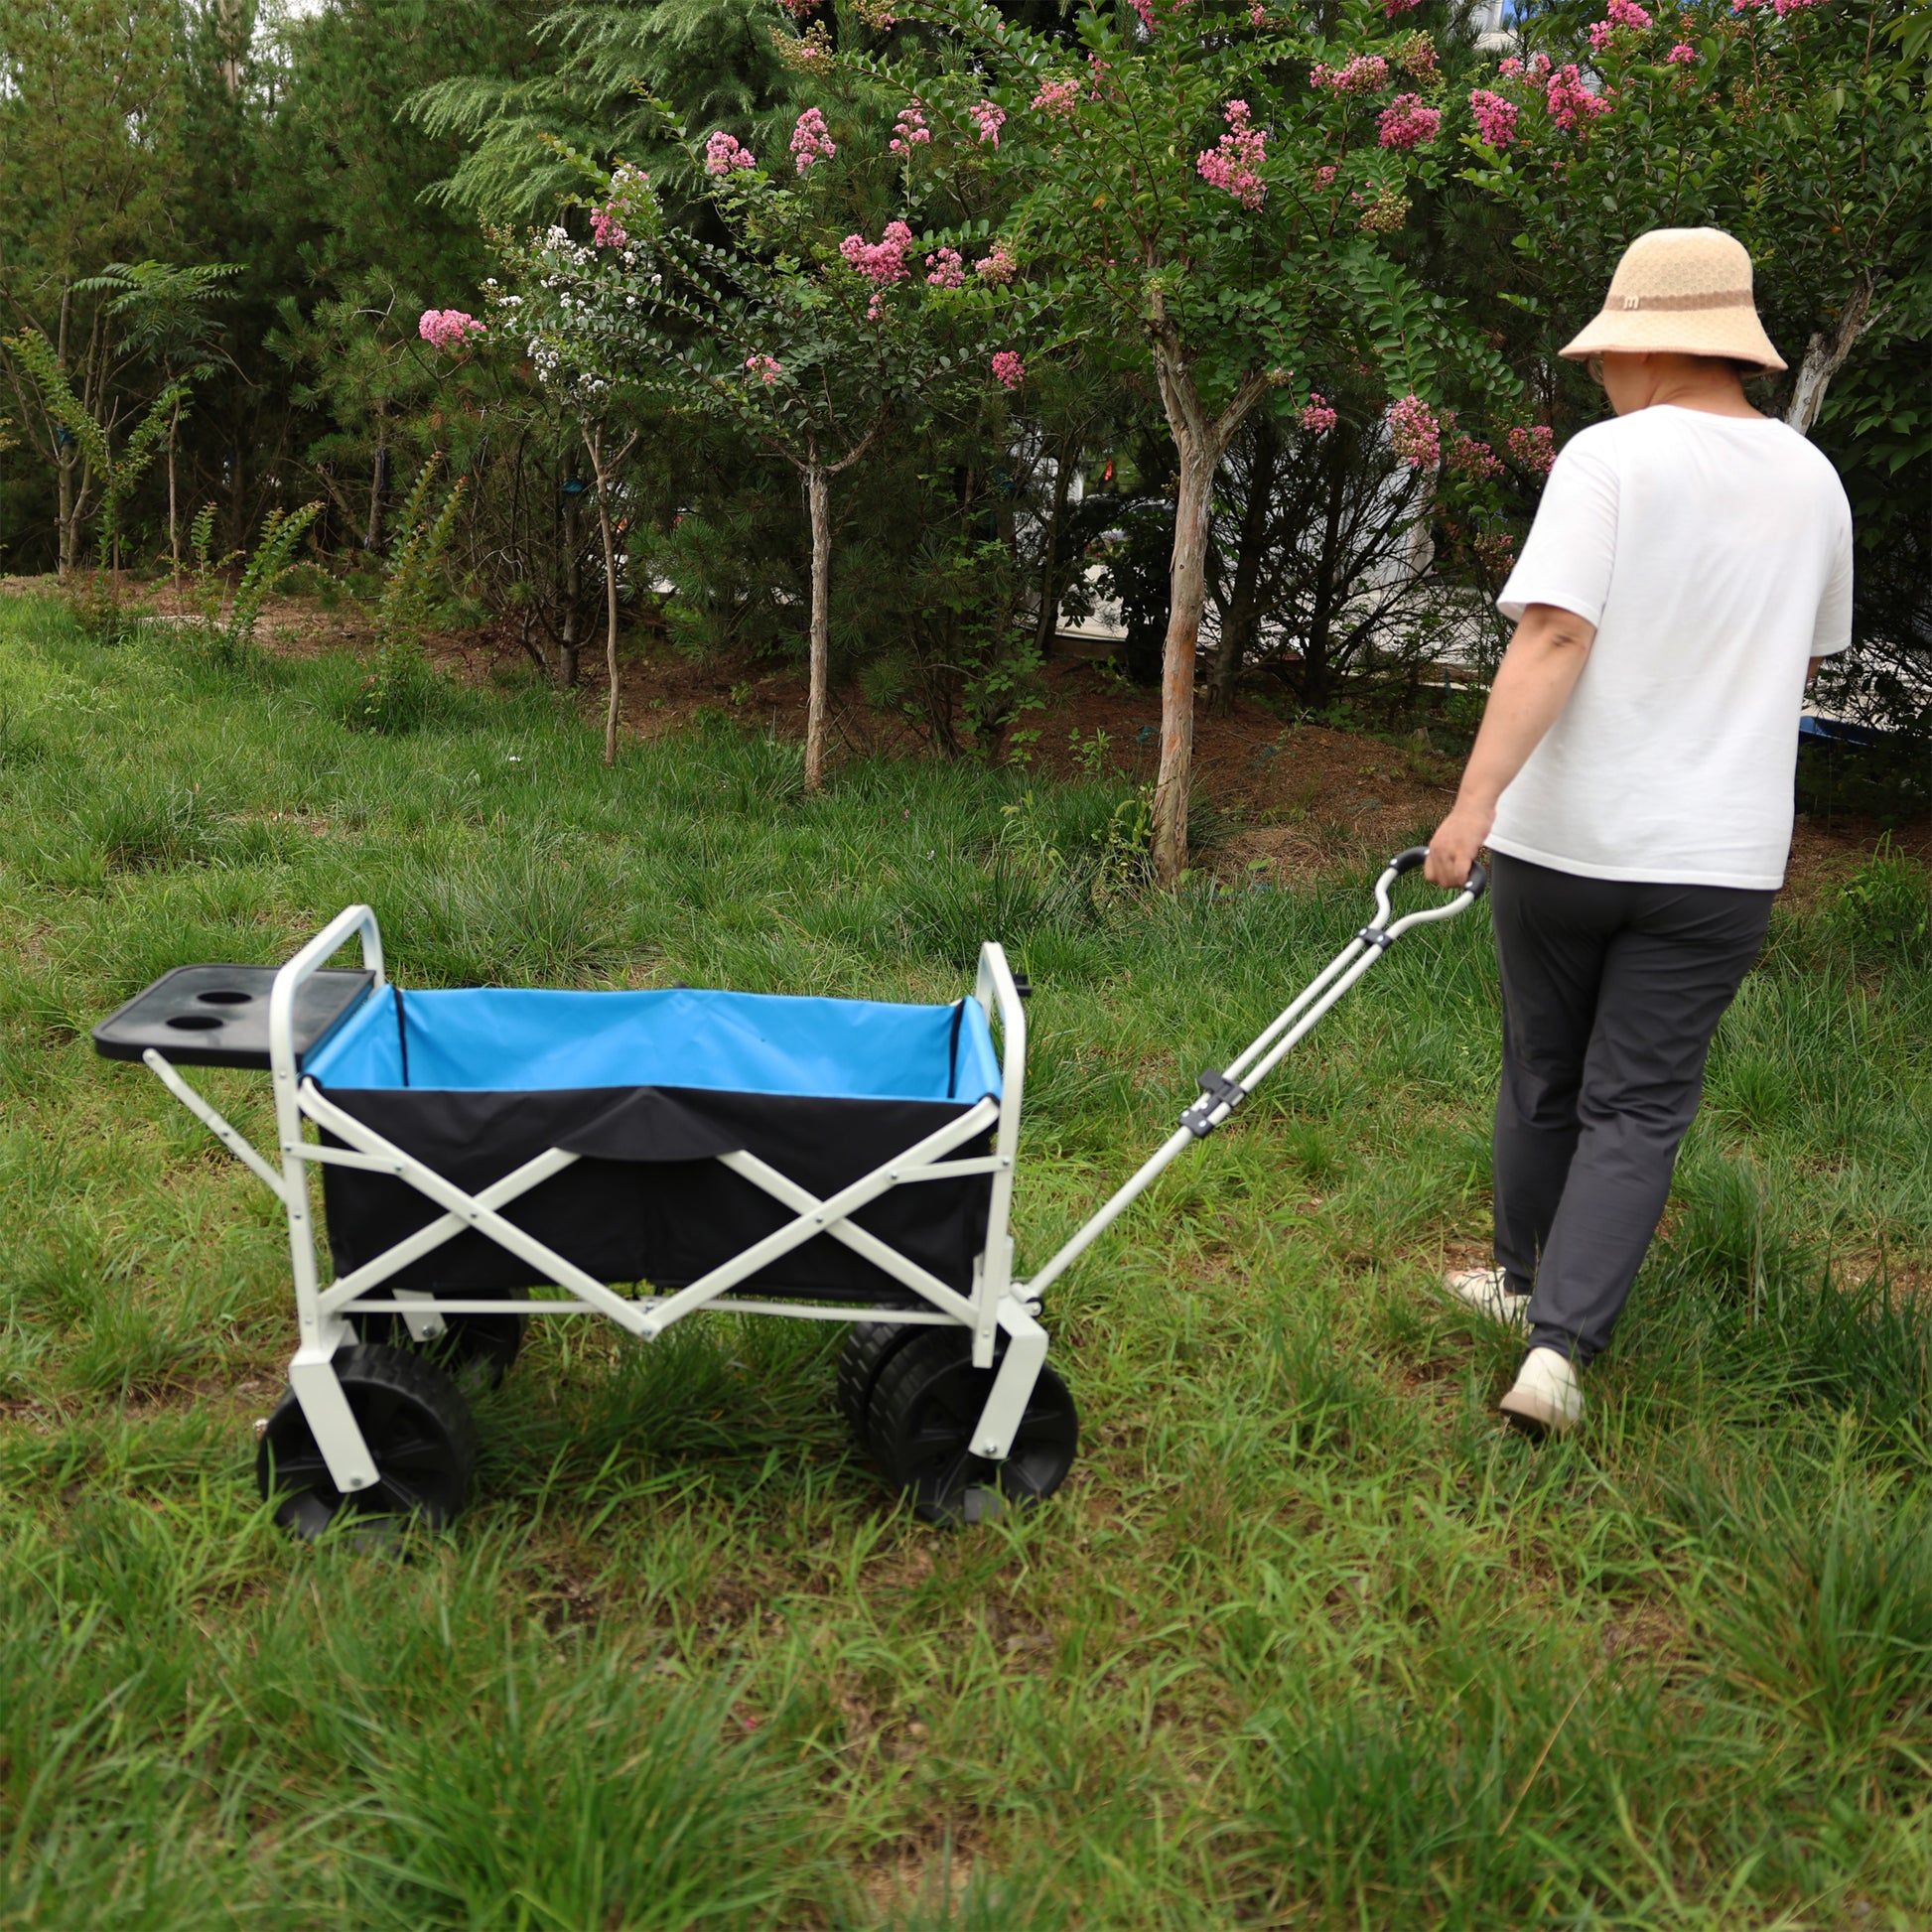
<point x="398" y="695"/>
<point x="597" y="93"/>
<point x="116" y="471"/>
<point x="164" y="311"/>
<point x="228" y="622"/>
<point x="1883" y="912"/>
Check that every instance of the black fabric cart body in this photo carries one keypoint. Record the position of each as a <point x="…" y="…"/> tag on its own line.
<point x="825" y="1160"/>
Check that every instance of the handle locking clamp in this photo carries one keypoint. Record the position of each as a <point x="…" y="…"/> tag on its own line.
<point x="1219" y="1098"/>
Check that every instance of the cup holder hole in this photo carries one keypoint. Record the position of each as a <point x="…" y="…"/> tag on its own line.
<point x="196" y="1023"/>
<point x="224" y="996"/>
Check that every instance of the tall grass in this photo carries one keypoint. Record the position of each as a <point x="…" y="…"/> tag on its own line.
<point x="1305" y="1642"/>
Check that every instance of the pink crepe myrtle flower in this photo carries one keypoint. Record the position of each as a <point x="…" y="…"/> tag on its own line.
<point x="1783" y="7"/>
<point x="1325" y="174"/>
<point x="766" y="367"/>
<point x="799" y="9"/>
<point x="1235" y="162"/>
<point x="998" y="267"/>
<point x="1682" y="55"/>
<point x="1319" y="417"/>
<point x="1009" y="368"/>
<point x="1414" y="432"/>
<point x="1362" y="74"/>
<point x="1618" y="13"/>
<point x="1569" y="101"/>
<point x="811" y="141"/>
<point x="1535" y="448"/>
<point x="1145" y="8"/>
<point x="723" y="154"/>
<point x="1057" y="97"/>
<point x="447" y="328"/>
<point x="1469" y="458"/>
<point x="948" y="270"/>
<point x="1408" y="123"/>
<point x="1393" y="7"/>
<point x="910" y="131"/>
<point x="989" y="118"/>
<point x="881" y="262"/>
<point x="1383" y="209"/>
<point x="1415" y="53"/>
<point x="1495" y="117"/>
<point x="1256" y="15"/>
<point x="1496" y="552"/>
<point x="606" y="229"/>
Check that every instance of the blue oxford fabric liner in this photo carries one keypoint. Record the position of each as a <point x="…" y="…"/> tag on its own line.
<point x="648" y="1087"/>
<point x="490" y="1040"/>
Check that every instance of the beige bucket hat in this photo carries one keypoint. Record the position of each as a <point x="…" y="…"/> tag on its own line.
<point x="1682" y="289"/>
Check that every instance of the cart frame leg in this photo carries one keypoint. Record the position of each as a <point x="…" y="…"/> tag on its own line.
<point x="312" y="1375"/>
<point x="1013" y="1387"/>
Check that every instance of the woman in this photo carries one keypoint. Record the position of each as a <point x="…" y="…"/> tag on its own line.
<point x="1690" y="564"/>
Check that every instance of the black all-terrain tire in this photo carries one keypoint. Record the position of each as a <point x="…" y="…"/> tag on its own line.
<point x="473" y="1348"/>
<point x="420" y="1436"/>
<point x="925" y="1406"/>
<point x="867" y="1348"/>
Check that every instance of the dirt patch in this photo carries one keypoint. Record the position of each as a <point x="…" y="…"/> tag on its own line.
<point x="1289" y="800"/>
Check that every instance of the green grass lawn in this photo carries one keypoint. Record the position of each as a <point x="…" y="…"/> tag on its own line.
<point x="1307" y="1641"/>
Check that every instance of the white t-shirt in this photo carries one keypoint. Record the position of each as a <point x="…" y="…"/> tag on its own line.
<point x="1713" y="556"/>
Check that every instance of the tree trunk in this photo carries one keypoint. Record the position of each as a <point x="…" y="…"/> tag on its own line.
<point x="174" y="520"/>
<point x="372" y="530"/>
<point x="563" y="674"/>
<point x="1314" y="681"/>
<point x="610" y="621"/>
<point x="603" y="473"/>
<point x="1200" y="445"/>
<point x="1199" y="460"/>
<point x="65" y="455"/>
<point x="1244" y="612"/>
<point x="1824" y="357"/>
<point x="818" y="499"/>
<point x="1049" y="579"/>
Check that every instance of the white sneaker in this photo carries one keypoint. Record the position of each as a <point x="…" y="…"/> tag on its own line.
<point x="1548" y="1399"/>
<point x="1486" y="1291"/>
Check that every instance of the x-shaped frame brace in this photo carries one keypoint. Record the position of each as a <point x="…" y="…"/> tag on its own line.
<point x="648" y="1316"/>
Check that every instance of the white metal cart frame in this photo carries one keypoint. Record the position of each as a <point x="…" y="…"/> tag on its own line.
<point x="997" y="1305"/>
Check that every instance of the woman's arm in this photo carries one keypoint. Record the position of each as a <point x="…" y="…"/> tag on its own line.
<point x="1533" y="684"/>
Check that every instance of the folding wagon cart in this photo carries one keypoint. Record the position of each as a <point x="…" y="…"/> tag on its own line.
<point x="823" y="1159"/>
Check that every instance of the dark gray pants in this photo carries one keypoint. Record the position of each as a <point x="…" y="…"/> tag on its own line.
<point x="1611" y="990"/>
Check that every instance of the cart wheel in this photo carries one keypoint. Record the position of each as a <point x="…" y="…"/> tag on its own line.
<point x="419" y="1433"/>
<point x="925" y="1406"/>
<point x="867" y="1348"/>
<point x="483" y="1347"/>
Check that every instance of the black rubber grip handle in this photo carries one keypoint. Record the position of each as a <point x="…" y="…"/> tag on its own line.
<point x="1406" y="861"/>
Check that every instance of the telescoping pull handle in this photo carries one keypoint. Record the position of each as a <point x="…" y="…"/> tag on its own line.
<point x="1405" y="863"/>
<point x="1223" y="1091"/>
<point x="1384" y="929"/>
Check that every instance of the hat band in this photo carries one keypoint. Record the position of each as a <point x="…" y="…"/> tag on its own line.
<point x="1614" y="304"/>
